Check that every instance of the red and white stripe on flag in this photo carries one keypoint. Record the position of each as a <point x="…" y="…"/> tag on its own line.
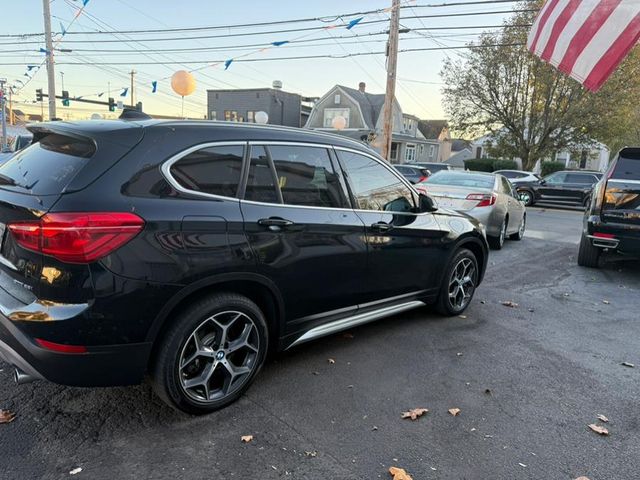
<point x="586" y="39"/>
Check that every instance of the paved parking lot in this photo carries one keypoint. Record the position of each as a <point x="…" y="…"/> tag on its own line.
<point x="528" y="381"/>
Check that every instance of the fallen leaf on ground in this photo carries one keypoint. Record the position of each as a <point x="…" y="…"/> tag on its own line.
<point x="462" y="316"/>
<point x="374" y="428"/>
<point x="399" y="473"/>
<point x="606" y="302"/>
<point x="454" y="411"/>
<point x="602" y="418"/>
<point x="582" y="478"/>
<point x="459" y="354"/>
<point x="522" y="465"/>
<point x="75" y="471"/>
<point x="510" y="304"/>
<point x="414" y="413"/>
<point x="6" y="416"/>
<point x="331" y="360"/>
<point x="565" y="294"/>
<point x="246" y="438"/>
<point x="627" y="364"/>
<point x="311" y="454"/>
<point x="599" y="429"/>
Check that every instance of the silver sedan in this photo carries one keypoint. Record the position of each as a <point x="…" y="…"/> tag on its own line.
<point x="488" y="197"/>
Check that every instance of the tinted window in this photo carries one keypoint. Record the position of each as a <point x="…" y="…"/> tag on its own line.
<point x="556" y="178"/>
<point x="460" y="179"/>
<point x="214" y="170"/>
<point x="306" y="176"/>
<point x="261" y="182"/>
<point x="374" y="187"/>
<point x="49" y="165"/>
<point x="627" y="169"/>
<point x="510" y="174"/>
<point x="581" y="178"/>
<point x="404" y="170"/>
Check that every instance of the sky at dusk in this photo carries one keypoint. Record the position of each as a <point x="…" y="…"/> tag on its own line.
<point x="418" y="89"/>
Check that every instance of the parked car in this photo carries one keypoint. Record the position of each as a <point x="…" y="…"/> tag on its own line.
<point x="18" y="143"/>
<point x="612" y="221"/>
<point x="570" y="187"/>
<point x="519" y="176"/>
<point x="433" y="167"/>
<point x="487" y="197"/>
<point x="187" y="250"/>
<point x="412" y="173"/>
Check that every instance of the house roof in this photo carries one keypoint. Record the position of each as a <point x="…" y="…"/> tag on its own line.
<point x="458" y="144"/>
<point x="371" y="104"/>
<point x="431" y="129"/>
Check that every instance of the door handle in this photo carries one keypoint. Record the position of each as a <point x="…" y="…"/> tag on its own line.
<point x="381" y="226"/>
<point x="275" y="223"/>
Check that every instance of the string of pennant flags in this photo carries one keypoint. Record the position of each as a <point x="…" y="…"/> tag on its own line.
<point x="335" y="23"/>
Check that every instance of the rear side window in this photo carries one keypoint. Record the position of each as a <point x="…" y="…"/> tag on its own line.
<point x="307" y="177"/>
<point x="627" y="169"/>
<point x="47" y="166"/>
<point x="581" y="178"/>
<point x="213" y="170"/>
<point x="261" y="182"/>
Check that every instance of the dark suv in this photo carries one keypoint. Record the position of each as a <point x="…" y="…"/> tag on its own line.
<point x="571" y="187"/>
<point x="612" y="223"/>
<point x="188" y="250"/>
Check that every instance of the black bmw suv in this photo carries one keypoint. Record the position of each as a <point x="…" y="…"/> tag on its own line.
<point x="188" y="250"/>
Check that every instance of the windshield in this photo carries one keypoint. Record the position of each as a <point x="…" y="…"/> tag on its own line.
<point x="47" y="166"/>
<point x="459" y="179"/>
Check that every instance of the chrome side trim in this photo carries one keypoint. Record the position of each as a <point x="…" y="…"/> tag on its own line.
<point x="614" y="180"/>
<point x="354" y="321"/>
<point x="166" y="168"/>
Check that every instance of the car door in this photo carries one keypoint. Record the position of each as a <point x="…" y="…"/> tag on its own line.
<point x="404" y="249"/>
<point x="514" y="205"/>
<point x="577" y="186"/>
<point x="303" y="231"/>
<point x="553" y="187"/>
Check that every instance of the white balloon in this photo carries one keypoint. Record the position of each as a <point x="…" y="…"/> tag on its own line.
<point x="261" y="117"/>
<point x="339" y="122"/>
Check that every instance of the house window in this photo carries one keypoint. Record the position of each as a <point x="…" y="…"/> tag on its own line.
<point x="336" y="99"/>
<point x="331" y="113"/>
<point x="410" y="154"/>
<point x="231" y="116"/>
<point x="421" y="149"/>
<point x="251" y="116"/>
<point x="432" y="150"/>
<point x="214" y="115"/>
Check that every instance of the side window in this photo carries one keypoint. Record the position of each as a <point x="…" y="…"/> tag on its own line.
<point x="261" y="182"/>
<point x="556" y="178"/>
<point x="214" y="170"/>
<point x="627" y="169"/>
<point x="581" y="178"/>
<point x="307" y="177"/>
<point x="374" y="187"/>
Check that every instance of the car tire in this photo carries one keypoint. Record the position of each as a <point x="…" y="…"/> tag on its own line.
<point x="496" y="243"/>
<point x="223" y="337"/>
<point x="454" y="278"/>
<point x="588" y="255"/>
<point x="527" y="197"/>
<point x="520" y="233"/>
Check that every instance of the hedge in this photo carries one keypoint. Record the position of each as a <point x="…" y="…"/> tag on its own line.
<point x="547" y="168"/>
<point x="489" y="164"/>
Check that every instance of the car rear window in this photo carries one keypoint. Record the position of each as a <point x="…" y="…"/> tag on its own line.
<point x="455" y="179"/>
<point x="47" y="166"/>
<point x="627" y="169"/>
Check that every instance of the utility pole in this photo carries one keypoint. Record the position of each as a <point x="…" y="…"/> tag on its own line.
<point x="3" y="145"/>
<point x="392" y="64"/>
<point x="51" y="76"/>
<point x="132" y="73"/>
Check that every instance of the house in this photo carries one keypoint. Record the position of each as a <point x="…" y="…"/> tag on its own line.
<point x="241" y="105"/>
<point x="437" y="132"/>
<point x="594" y="156"/>
<point x="363" y="114"/>
<point x="460" y="151"/>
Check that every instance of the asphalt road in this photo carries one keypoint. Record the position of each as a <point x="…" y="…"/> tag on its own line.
<point x="551" y="366"/>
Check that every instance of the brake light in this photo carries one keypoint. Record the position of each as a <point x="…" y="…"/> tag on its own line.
<point x="422" y="179"/>
<point x="77" y="237"/>
<point x="484" y="199"/>
<point x="61" y="347"/>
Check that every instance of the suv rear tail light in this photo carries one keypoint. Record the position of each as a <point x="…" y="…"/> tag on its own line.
<point x="422" y="179"/>
<point x="485" y="199"/>
<point x="77" y="237"/>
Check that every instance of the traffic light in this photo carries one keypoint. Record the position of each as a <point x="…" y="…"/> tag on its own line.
<point x="39" y="96"/>
<point x="112" y="104"/>
<point x="65" y="98"/>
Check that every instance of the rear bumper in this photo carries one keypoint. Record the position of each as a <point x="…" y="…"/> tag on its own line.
<point x="626" y="237"/>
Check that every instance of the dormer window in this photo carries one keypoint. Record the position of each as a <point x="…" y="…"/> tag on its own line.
<point x="336" y="99"/>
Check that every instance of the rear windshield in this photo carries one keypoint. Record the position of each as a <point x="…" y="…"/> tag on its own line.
<point x="461" y="179"/>
<point x="627" y="169"/>
<point x="47" y="166"/>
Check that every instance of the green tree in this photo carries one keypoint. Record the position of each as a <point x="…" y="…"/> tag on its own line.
<point x="532" y="109"/>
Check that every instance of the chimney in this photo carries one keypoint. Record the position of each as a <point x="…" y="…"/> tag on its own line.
<point x="362" y="86"/>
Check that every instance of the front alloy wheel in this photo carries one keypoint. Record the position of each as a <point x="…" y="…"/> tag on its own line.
<point x="461" y="281"/>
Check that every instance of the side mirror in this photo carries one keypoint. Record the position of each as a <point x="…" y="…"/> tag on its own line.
<point x="426" y="203"/>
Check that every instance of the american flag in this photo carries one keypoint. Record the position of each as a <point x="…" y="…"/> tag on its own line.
<point x="586" y="39"/>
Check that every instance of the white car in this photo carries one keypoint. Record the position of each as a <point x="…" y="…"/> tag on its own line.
<point x="519" y="176"/>
<point x="487" y="197"/>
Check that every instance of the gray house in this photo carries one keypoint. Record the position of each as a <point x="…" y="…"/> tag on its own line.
<point x="363" y="114"/>
<point x="241" y="105"/>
